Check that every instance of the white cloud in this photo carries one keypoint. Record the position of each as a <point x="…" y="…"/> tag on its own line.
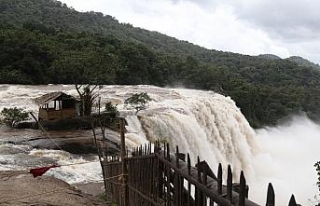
<point x="252" y="27"/>
<point x="298" y="19"/>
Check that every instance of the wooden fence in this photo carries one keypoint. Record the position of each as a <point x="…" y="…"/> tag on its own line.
<point x="153" y="176"/>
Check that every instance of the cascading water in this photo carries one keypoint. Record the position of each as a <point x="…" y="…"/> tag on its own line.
<point x="134" y="133"/>
<point x="200" y="123"/>
<point x="211" y="126"/>
<point x="204" y="124"/>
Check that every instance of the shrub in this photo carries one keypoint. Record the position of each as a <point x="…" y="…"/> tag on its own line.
<point x="112" y="109"/>
<point x="12" y="115"/>
<point x="138" y="101"/>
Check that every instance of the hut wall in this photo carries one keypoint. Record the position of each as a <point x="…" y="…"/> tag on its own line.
<point x="52" y="114"/>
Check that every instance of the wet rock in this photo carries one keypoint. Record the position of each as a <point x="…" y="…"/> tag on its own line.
<point x="67" y="124"/>
<point x="25" y="160"/>
<point x="75" y="145"/>
<point x="10" y="149"/>
<point x="26" y="125"/>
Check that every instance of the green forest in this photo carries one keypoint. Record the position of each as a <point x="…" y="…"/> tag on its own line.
<point x="44" y="41"/>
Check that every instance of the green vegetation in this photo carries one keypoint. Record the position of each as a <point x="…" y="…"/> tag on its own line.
<point x="317" y="166"/>
<point x="87" y="96"/>
<point x="12" y="115"/>
<point x="138" y="101"/>
<point x="43" y="41"/>
<point x="112" y="109"/>
<point x="303" y="62"/>
<point x="106" y="198"/>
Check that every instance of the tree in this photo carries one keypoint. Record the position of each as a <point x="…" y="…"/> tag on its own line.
<point x="87" y="98"/>
<point x="317" y="166"/>
<point x="13" y="115"/>
<point x="138" y="101"/>
<point x="112" y="109"/>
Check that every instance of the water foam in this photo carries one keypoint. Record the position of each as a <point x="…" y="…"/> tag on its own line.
<point x="74" y="168"/>
<point x="286" y="159"/>
<point x="204" y="124"/>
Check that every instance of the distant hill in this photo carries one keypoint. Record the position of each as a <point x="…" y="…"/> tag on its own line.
<point x="269" y="56"/>
<point x="44" y="41"/>
<point x="303" y="62"/>
<point x="296" y="59"/>
<point x="55" y="14"/>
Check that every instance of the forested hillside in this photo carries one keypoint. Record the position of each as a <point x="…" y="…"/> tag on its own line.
<point x="43" y="41"/>
<point x="303" y="62"/>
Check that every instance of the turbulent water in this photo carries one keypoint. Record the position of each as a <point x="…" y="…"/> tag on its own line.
<point x="201" y="123"/>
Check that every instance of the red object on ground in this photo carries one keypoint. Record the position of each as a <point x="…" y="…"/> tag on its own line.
<point x="40" y="171"/>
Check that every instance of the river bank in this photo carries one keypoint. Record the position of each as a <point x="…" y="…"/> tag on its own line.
<point x="20" y="188"/>
<point x="71" y="184"/>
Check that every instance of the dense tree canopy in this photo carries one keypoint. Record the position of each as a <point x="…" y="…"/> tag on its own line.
<point x="43" y="41"/>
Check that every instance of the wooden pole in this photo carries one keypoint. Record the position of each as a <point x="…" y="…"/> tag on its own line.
<point x="292" y="201"/>
<point x="242" y="194"/>
<point x="229" y="184"/>
<point x="99" y="155"/>
<point x="124" y="166"/>
<point x="270" y="196"/>
<point x="37" y="121"/>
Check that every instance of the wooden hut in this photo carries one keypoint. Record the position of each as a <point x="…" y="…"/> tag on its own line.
<point x="57" y="106"/>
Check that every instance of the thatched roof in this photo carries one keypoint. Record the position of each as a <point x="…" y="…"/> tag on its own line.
<point x="46" y="98"/>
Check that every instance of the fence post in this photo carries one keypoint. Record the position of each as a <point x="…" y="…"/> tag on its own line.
<point x="220" y="179"/>
<point x="176" y="188"/>
<point x="168" y="183"/>
<point x="189" y="184"/>
<point x="242" y="193"/>
<point x="229" y="184"/>
<point x="124" y="166"/>
<point x="270" y="196"/>
<point x="292" y="201"/>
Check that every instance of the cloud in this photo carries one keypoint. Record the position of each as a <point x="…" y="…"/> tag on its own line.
<point x="289" y="20"/>
<point x="252" y="27"/>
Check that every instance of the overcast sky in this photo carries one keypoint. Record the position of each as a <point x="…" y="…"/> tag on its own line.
<point x="281" y="27"/>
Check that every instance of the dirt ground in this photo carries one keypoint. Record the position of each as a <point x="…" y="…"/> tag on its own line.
<point x="22" y="189"/>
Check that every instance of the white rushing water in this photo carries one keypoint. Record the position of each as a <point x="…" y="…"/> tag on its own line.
<point x="288" y="153"/>
<point x="201" y="123"/>
<point x="71" y="171"/>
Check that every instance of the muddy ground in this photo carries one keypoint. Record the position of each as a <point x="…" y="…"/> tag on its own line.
<point x="19" y="188"/>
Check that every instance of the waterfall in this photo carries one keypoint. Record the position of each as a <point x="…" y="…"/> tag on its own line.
<point x="211" y="126"/>
<point x="205" y="124"/>
<point x="134" y="133"/>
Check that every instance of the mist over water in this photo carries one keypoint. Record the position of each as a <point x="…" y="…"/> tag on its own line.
<point x="202" y="123"/>
<point x="288" y="153"/>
